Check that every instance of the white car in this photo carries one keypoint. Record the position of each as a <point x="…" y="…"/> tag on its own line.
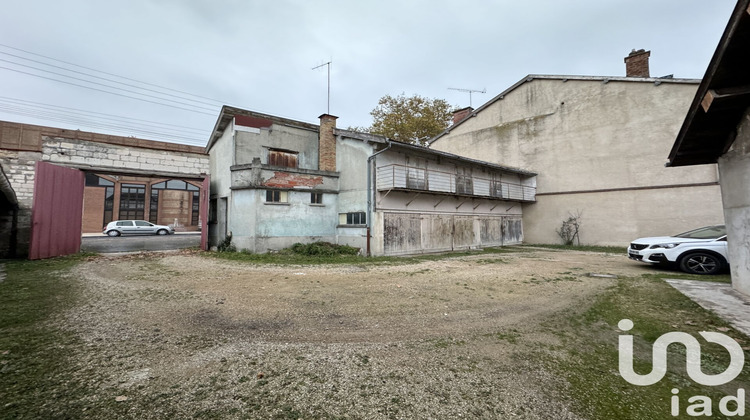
<point x="699" y="251"/>
<point x="135" y="227"/>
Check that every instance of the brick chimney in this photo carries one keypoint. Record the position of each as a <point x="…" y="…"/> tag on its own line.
<point x="327" y="143"/>
<point x="636" y="64"/>
<point x="462" y="113"/>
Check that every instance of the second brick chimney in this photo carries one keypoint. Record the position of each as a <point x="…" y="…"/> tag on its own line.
<point x="462" y="113"/>
<point x="636" y="64"/>
<point x="327" y="143"/>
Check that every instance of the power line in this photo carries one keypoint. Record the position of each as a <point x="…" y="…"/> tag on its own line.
<point x="96" y="77"/>
<point x="102" y="115"/>
<point x="51" y="116"/>
<point x="105" y="91"/>
<point x="110" y="74"/>
<point x="98" y="84"/>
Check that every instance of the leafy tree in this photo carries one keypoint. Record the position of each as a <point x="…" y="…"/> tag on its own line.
<point x="413" y="119"/>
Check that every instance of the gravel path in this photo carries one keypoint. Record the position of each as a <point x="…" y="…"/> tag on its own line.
<point x="179" y="335"/>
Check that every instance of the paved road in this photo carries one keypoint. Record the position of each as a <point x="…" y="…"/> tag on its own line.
<point x="105" y="244"/>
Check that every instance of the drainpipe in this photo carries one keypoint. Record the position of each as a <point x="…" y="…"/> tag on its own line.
<point x="370" y="162"/>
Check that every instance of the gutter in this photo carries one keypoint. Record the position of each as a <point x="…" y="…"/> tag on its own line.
<point x="370" y="162"/>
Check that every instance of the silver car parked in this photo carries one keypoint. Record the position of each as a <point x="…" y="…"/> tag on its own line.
<point x="136" y="227"/>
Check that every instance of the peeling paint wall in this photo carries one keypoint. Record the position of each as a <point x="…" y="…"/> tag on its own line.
<point x="734" y="167"/>
<point x="415" y="233"/>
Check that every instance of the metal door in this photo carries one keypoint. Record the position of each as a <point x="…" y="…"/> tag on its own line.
<point x="57" y="211"/>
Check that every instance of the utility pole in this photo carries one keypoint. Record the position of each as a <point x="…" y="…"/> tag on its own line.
<point x="470" y="91"/>
<point x="328" y="111"/>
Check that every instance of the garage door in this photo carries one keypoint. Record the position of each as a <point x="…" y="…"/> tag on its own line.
<point x="57" y="211"/>
<point x="412" y="233"/>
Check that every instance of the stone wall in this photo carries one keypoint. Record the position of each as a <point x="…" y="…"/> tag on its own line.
<point x="22" y="145"/>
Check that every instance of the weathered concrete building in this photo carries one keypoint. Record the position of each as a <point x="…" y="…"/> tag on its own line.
<point x="123" y="177"/>
<point x="717" y="130"/>
<point x="598" y="144"/>
<point x="276" y="182"/>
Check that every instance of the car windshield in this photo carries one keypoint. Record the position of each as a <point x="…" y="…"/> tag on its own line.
<point x="710" y="232"/>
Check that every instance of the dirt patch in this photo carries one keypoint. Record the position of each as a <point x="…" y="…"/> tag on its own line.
<point x="183" y="335"/>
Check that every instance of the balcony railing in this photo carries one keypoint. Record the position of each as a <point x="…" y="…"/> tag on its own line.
<point x="411" y="178"/>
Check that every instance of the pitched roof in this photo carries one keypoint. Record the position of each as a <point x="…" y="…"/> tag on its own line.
<point x="374" y="138"/>
<point x="603" y="79"/>
<point x="722" y="98"/>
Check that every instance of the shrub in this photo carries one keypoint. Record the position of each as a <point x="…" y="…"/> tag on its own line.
<point x="323" y="249"/>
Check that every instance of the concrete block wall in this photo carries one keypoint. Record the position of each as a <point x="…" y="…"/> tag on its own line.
<point x="127" y="158"/>
<point x="19" y="169"/>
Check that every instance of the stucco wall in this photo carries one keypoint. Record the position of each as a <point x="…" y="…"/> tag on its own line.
<point x="597" y="147"/>
<point x="250" y="145"/>
<point x="734" y="167"/>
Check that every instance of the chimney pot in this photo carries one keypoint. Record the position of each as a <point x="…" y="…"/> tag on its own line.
<point x="636" y="63"/>
<point x="460" y="114"/>
<point x="327" y="143"/>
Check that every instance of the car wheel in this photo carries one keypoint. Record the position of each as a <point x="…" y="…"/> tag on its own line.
<point x="701" y="263"/>
<point x="113" y="233"/>
<point x="162" y="232"/>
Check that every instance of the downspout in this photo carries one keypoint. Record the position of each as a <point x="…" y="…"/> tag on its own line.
<point x="370" y="162"/>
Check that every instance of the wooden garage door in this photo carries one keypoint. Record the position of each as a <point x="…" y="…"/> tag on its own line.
<point x="402" y="233"/>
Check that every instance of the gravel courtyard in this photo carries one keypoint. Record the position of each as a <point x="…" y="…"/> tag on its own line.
<point x="180" y="335"/>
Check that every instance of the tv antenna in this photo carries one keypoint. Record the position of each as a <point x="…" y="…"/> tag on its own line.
<point x="470" y="91"/>
<point x="328" y="111"/>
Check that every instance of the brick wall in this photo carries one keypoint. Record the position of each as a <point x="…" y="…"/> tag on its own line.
<point x="636" y="64"/>
<point x="327" y="143"/>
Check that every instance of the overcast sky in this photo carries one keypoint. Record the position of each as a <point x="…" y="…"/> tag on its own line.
<point x="259" y="55"/>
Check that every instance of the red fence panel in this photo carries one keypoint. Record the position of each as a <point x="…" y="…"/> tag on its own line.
<point x="57" y="211"/>
<point x="205" y="192"/>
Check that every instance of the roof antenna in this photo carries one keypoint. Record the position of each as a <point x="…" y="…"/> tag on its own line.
<point x="328" y="111"/>
<point x="470" y="91"/>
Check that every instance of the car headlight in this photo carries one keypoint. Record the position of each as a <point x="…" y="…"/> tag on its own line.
<point x="665" y="246"/>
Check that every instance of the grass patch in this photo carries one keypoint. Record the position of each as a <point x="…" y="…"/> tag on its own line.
<point x="718" y="278"/>
<point x="589" y="360"/>
<point x="310" y="254"/>
<point x="34" y="374"/>
<point x="587" y="248"/>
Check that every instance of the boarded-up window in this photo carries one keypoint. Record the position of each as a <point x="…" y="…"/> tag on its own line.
<point x="283" y="158"/>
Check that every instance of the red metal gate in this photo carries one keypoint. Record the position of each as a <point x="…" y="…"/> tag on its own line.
<point x="56" y="215"/>
<point x="205" y="192"/>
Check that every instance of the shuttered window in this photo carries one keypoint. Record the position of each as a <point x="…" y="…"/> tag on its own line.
<point x="282" y="158"/>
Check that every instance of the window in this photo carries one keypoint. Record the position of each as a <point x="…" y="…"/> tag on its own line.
<point x="142" y="223"/>
<point x="109" y="204"/>
<point x="464" y="181"/>
<point x="132" y="201"/>
<point x="316" y="198"/>
<point x="196" y="208"/>
<point x="127" y="223"/>
<point x="174" y="184"/>
<point x="283" y="158"/>
<point x="93" y="180"/>
<point x="276" y="196"/>
<point x="356" y="218"/>
<point x="153" y="213"/>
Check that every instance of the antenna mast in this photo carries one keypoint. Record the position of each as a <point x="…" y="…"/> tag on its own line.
<point x="328" y="111"/>
<point x="470" y="91"/>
